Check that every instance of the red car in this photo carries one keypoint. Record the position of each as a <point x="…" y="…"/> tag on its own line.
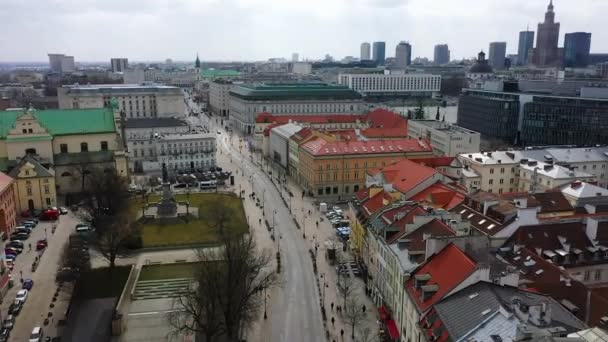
<point x="41" y="244"/>
<point x="50" y="215"/>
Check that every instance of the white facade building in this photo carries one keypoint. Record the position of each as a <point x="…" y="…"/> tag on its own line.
<point x="495" y="172"/>
<point x="366" y="51"/>
<point x="246" y="101"/>
<point x="219" y="96"/>
<point x="141" y="136"/>
<point x="446" y="139"/>
<point x="539" y="176"/>
<point x="135" y="100"/>
<point x="279" y="143"/>
<point x="302" y="68"/>
<point x="59" y="62"/>
<point x="376" y="84"/>
<point x="185" y="152"/>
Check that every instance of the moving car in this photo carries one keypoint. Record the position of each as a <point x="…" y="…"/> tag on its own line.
<point x="15" y="307"/>
<point x="41" y="244"/>
<point x="22" y="295"/>
<point x="49" y="214"/>
<point x="63" y="210"/>
<point x="28" y="284"/>
<point x="8" y="322"/>
<point x="36" y="335"/>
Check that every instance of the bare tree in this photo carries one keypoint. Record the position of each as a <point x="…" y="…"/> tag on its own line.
<point x="366" y="334"/>
<point x="82" y="172"/>
<point x="346" y="287"/>
<point x="231" y="281"/>
<point x="353" y="314"/>
<point x="106" y="208"/>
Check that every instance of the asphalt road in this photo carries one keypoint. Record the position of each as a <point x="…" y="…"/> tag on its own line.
<point x="295" y="314"/>
<point x="37" y="304"/>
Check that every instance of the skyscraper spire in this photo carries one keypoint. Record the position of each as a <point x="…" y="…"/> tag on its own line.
<point x="197" y="62"/>
<point x="550" y="7"/>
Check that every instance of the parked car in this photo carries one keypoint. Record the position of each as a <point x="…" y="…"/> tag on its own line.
<point x="36" y="335"/>
<point x="8" y="322"/>
<point x="17" y="244"/>
<point x="4" y="334"/>
<point x="27" y="224"/>
<point x="14" y="250"/>
<point x="10" y="257"/>
<point x="15" y="307"/>
<point x="22" y="295"/>
<point x="23" y="229"/>
<point x="63" y="210"/>
<point x="41" y="244"/>
<point x="19" y="237"/>
<point x="49" y="215"/>
<point x="28" y="284"/>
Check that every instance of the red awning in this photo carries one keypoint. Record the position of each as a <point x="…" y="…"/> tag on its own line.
<point x="392" y="329"/>
<point x="383" y="313"/>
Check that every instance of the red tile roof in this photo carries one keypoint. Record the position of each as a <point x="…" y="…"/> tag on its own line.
<point x="5" y="181"/>
<point x="376" y="202"/>
<point x="321" y="147"/>
<point x="435" y="161"/>
<point x="404" y="175"/>
<point x="447" y="269"/>
<point x="440" y="196"/>
<point x="302" y="134"/>
<point x="317" y="118"/>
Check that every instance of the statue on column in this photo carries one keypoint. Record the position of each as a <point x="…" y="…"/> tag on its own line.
<point x="165" y="176"/>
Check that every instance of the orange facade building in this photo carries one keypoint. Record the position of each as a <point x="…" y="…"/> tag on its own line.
<point x="8" y="208"/>
<point x="338" y="169"/>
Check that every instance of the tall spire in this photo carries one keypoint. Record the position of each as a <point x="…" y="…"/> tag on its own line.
<point x="550" y="7"/>
<point x="197" y="63"/>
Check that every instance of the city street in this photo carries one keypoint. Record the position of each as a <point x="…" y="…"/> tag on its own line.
<point x="37" y="304"/>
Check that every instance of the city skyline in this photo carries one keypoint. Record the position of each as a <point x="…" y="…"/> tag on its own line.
<point x="260" y="29"/>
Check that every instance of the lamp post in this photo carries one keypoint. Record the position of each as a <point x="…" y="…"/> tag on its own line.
<point x="265" y="314"/>
<point x="304" y="228"/>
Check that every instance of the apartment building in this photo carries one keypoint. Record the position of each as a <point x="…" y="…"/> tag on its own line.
<point x="393" y="84"/>
<point x="495" y="172"/>
<point x="446" y="139"/>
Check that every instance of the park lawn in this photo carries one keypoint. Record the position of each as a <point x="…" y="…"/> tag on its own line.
<point x="167" y="271"/>
<point x="196" y="231"/>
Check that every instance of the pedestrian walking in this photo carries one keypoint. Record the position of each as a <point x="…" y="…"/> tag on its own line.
<point x="30" y="246"/>
<point x="333" y="320"/>
<point x="342" y="333"/>
<point x="332" y="306"/>
<point x="363" y="308"/>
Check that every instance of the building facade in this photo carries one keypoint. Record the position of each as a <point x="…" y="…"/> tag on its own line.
<point x="61" y="63"/>
<point x="70" y="144"/>
<point x="379" y="52"/>
<point x="365" y="52"/>
<point x="142" y="137"/>
<point x="526" y="43"/>
<point x="540" y="176"/>
<point x="547" y="52"/>
<point x="446" y="139"/>
<point x="338" y="169"/>
<point x="247" y="101"/>
<point x="492" y="114"/>
<point x="35" y="185"/>
<point x="136" y="101"/>
<point x="219" y="96"/>
<point x="119" y="64"/>
<point x="403" y="55"/>
<point x="577" y="46"/>
<point x="404" y="84"/>
<point x="498" y="52"/>
<point x="8" y="207"/>
<point x="186" y="152"/>
<point x="441" y="54"/>
<point x="495" y="172"/>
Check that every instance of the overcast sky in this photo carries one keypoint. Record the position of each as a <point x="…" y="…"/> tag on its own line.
<point x="144" y="30"/>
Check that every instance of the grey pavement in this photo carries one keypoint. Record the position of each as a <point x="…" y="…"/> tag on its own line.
<point x="37" y="304"/>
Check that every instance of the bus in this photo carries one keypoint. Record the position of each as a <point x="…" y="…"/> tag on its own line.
<point x="208" y="185"/>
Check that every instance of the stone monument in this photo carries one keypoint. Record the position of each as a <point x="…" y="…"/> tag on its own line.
<point x="167" y="205"/>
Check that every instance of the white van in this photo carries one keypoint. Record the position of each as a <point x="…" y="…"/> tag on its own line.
<point x="36" y="335"/>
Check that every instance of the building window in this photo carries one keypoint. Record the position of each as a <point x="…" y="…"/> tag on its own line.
<point x="63" y="148"/>
<point x="502" y="170"/>
<point x="501" y="181"/>
<point x="46" y="190"/>
<point x="587" y="275"/>
<point x="104" y="145"/>
<point x="48" y="201"/>
<point x="29" y="190"/>
<point x="84" y="147"/>
<point x="491" y="171"/>
<point x="598" y="275"/>
<point x="491" y="181"/>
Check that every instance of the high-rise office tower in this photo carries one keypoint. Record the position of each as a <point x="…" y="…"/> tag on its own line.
<point x="546" y="52"/>
<point x="498" y="52"/>
<point x="365" y="51"/>
<point x="577" y="46"/>
<point x="119" y="64"/>
<point x="526" y="42"/>
<point x="379" y="52"/>
<point x="442" y="54"/>
<point x="59" y="62"/>
<point x="403" y="55"/>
